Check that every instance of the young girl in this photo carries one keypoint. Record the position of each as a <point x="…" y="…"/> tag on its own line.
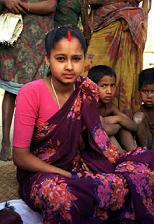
<point x="69" y="182"/>
<point x="145" y="116"/>
<point x="23" y="62"/>
<point x="115" y="122"/>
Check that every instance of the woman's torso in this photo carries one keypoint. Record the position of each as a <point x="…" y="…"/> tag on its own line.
<point x="68" y="12"/>
<point x="24" y="61"/>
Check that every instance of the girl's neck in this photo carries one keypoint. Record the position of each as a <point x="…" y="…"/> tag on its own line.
<point x="61" y="88"/>
<point x="60" y="91"/>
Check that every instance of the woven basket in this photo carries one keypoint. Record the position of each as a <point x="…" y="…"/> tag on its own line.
<point x="8" y="182"/>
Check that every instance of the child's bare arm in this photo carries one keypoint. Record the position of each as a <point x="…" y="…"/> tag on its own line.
<point x="125" y="121"/>
<point x="110" y="128"/>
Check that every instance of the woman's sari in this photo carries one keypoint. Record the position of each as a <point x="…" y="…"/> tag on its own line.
<point x="67" y="12"/>
<point x="118" y="40"/>
<point x="24" y="62"/>
<point x="113" y="188"/>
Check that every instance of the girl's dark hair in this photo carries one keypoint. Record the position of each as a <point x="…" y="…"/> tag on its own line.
<point x="58" y="33"/>
<point x="97" y="72"/>
<point x="146" y="76"/>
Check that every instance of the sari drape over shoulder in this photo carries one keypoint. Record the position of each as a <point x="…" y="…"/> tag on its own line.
<point x="114" y="189"/>
<point x="135" y="18"/>
<point x="119" y="31"/>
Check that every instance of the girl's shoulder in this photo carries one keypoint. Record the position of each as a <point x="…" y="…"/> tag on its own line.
<point x="33" y="86"/>
<point x="33" y="91"/>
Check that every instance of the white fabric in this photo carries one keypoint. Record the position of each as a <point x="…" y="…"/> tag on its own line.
<point x="11" y="26"/>
<point x="27" y="214"/>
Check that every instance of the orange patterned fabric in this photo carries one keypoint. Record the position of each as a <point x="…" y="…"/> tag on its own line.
<point x="118" y="41"/>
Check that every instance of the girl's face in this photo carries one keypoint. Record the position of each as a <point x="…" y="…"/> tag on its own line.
<point x="147" y="94"/>
<point x="107" y="88"/>
<point x="66" y="60"/>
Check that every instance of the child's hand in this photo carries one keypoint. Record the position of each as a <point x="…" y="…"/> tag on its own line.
<point x="14" y="6"/>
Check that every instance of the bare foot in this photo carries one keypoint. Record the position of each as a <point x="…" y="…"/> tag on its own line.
<point x="5" y="153"/>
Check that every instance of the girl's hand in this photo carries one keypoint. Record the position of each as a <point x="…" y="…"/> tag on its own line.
<point x="14" y="6"/>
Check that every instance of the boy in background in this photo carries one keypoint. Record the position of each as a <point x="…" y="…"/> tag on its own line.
<point x="114" y="121"/>
<point x="144" y="118"/>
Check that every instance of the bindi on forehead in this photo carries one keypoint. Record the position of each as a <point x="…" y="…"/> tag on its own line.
<point x="69" y="36"/>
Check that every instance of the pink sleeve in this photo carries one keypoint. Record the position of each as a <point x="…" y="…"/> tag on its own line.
<point x="25" y="116"/>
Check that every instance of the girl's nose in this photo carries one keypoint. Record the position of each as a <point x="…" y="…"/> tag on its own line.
<point x="69" y="65"/>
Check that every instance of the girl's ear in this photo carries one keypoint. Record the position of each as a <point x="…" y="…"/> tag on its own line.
<point x="47" y="60"/>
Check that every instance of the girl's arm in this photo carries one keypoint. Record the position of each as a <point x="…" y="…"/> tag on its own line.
<point x="26" y="160"/>
<point x="42" y="8"/>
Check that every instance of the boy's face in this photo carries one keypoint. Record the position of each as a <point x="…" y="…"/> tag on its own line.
<point x="107" y="88"/>
<point x="147" y="94"/>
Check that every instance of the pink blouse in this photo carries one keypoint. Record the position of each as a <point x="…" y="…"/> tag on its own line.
<point x="34" y="106"/>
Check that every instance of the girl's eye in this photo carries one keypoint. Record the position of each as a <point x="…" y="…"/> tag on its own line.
<point x="60" y="59"/>
<point x="76" y="58"/>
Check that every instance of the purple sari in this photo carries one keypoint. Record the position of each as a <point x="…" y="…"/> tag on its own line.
<point x="113" y="188"/>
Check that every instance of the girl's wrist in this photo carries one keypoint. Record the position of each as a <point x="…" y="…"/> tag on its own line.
<point x="74" y="175"/>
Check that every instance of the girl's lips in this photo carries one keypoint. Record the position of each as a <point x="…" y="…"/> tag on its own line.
<point x="68" y="76"/>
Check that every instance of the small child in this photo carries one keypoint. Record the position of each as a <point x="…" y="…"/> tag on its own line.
<point x="145" y="116"/>
<point x="114" y="121"/>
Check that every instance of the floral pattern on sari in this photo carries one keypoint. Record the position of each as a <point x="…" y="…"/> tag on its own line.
<point x="42" y="132"/>
<point x="56" y="194"/>
<point x="113" y="187"/>
<point x="114" y="184"/>
<point x="143" y="180"/>
<point x="75" y="112"/>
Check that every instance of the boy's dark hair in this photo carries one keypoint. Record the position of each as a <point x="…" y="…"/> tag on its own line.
<point x="58" y="33"/>
<point x="97" y="72"/>
<point x="146" y="76"/>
